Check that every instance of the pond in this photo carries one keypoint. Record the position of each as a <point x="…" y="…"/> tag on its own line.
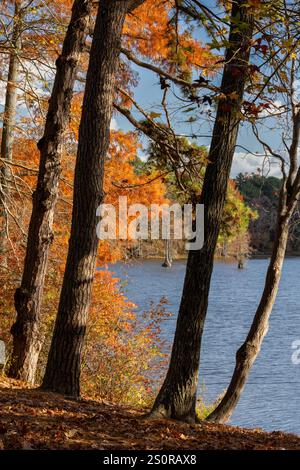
<point x="272" y="394"/>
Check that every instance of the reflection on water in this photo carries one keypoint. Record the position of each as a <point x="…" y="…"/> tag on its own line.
<point x="271" y="397"/>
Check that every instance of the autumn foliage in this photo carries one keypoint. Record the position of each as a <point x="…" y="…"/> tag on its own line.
<point x="120" y="346"/>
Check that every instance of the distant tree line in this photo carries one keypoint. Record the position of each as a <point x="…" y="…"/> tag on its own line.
<point x="261" y="193"/>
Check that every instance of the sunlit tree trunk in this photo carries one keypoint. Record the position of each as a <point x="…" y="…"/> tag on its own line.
<point x="8" y="128"/>
<point x="64" y="362"/>
<point x="177" y="397"/>
<point x="27" y="338"/>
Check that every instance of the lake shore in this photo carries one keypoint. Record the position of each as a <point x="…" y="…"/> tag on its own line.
<point x="229" y="258"/>
<point x="235" y="293"/>
<point x="34" y="420"/>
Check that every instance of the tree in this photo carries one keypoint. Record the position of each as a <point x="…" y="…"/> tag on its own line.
<point x="234" y="237"/>
<point x="184" y="184"/>
<point x="8" y="127"/>
<point x="262" y="193"/>
<point x="156" y="17"/>
<point x="177" y="396"/>
<point x="27" y="340"/>
<point x="64" y="362"/>
<point x="288" y="199"/>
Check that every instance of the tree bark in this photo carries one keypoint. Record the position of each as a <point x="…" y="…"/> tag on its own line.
<point x="64" y="362"/>
<point x="8" y="128"/>
<point x="250" y="349"/>
<point x="27" y="337"/>
<point x="248" y="352"/>
<point x="168" y="257"/>
<point x="177" y="397"/>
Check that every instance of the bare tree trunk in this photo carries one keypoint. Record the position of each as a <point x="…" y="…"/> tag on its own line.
<point x="250" y="349"/>
<point x="248" y="352"/>
<point x="64" y="361"/>
<point x="27" y="338"/>
<point x="168" y="257"/>
<point x="177" y="397"/>
<point x="8" y="128"/>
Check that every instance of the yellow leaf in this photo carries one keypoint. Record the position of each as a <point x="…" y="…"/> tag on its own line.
<point x="234" y="95"/>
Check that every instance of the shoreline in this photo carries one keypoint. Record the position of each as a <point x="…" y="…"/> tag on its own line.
<point x="227" y="259"/>
<point x="50" y="421"/>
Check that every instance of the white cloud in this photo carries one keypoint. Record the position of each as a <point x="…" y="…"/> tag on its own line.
<point x="249" y="163"/>
<point x="275" y="108"/>
<point x="114" y="125"/>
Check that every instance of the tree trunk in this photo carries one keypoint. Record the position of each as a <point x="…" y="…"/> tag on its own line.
<point x="177" y="397"/>
<point x="27" y="337"/>
<point x="168" y="257"/>
<point x="64" y="362"/>
<point x="8" y="129"/>
<point x="248" y="352"/>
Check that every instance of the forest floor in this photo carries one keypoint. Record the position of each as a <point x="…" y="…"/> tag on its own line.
<point x="30" y="419"/>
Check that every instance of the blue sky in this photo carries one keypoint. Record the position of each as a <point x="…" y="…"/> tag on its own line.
<point x="148" y="94"/>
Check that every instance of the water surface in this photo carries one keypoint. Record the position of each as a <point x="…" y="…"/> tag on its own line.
<point x="271" y="399"/>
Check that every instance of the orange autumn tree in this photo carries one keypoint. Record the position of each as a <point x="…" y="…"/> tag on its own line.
<point x="39" y="25"/>
<point x="121" y="179"/>
<point x="116" y="338"/>
<point x="161" y="25"/>
<point x="154" y="32"/>
<point x="115" y="333"/>
<point x="120" y="347"/>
